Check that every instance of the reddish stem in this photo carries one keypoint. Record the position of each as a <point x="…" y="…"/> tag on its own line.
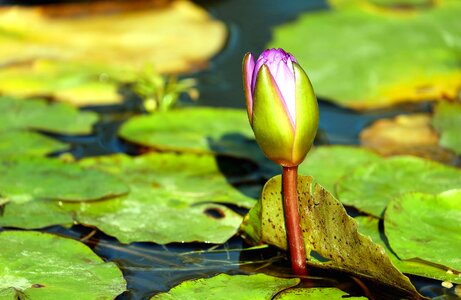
<point x="293" y="222"/>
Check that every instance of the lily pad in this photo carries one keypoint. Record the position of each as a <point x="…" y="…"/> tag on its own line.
<point x="121" y="32"/>
<point x="415" y="58"/>
<point x="406" y="134"/>
<point x="447" y="121"/>
<point x="38" y="265"/>
<point x="27" y="143"/>
<point x="169" y="192"/>
<point x="370" y="188"/>
<point x="197" y="130"/>
<point x="328" y="164"/>
<point x="37" y="114"/>
<point x="26" y="178"/>
<point x="314" y="294"/>
<point x="257" y="287"/>
<point x="330" y="235"/>
<point x="370" y="226"/>
<point x="426" y="227"/>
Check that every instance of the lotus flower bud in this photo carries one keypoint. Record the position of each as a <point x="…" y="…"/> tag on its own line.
<point x="282" y="107"/>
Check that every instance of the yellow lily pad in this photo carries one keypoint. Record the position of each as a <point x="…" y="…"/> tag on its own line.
<point x="120" y="38"/>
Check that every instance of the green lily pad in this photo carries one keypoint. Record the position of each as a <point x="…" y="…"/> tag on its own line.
<point x="39" y="115"/>
<point x="447" y="121"/>
<point x="370" y="188"/>
<point x="38" y="265"/>
<point x="26" y="178"/>
<point x="328" y="164"/>
<point x="330" y="235"/>
<point x="370" y="226"/>
<point x="426" y="227"/>
<point x="415" y="58"/>
<point x="38" y="213"/>
<point x="197" y="130"/>
<point x="314" y="294"/>
<point x="27" y="143"/>
<point x="257" y="287"/>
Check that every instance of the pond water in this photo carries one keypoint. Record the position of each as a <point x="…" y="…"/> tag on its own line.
<point x="151" y="268"/>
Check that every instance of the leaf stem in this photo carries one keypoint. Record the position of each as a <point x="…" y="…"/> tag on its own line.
<point x="292" y="221"/>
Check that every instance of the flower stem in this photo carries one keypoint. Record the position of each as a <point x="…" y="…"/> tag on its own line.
<point x="293" y="222"/>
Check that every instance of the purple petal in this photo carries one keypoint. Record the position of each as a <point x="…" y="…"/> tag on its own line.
<point x="248" y="70"/>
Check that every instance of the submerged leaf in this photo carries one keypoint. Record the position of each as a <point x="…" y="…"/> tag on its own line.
<point x="37" y="265"/>
<point x="197" y="130"/>
<point x="426" y="227"/>
<point x="330" y="235"/>
<point x="328" y="164"/>
<point x="223" y="286"/>
<point x="365" y="57"/>
<point x="447" y="121"/>
<point x="370" y="226"/>
<point x="37" y="114"/>
<point x="405" y="134"/>
<point x="24" y="179"/>
<point x="370" y="188"/>
<point x="15" y="143"/>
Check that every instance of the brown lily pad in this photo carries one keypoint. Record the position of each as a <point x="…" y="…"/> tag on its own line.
<point x="406" y="134"/>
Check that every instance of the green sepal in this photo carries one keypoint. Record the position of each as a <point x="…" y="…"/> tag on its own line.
<point x="307" y="115"/>
<point x="271" y="122"/>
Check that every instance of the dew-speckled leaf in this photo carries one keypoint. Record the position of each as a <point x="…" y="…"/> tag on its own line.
<point x="447" y="121"/>
<point x="28" y="143"/>
<point x="330" y="235"/>
<point x="406" y="135"/>
<point x="23" y="179"/>
<point x="370" y="226"/>
<point x="198" y="130"/>
<point x="415" y="58"/>
<point x="37" y="114"/>
<point x="370" y="188"/>
<point x="427" y="227"/>
<point x="169" y="194"/>
<point x="224" y="287"/>
<point x="45" y="266"/>
<point x="314" y="294"/>
<point x="327" y="164"/>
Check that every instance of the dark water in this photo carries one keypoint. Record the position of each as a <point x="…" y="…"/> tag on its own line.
<point x="151" y="268"/>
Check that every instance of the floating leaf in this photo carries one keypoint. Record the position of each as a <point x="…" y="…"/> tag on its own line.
<point x="169" y="192"/>
<point x="39" y="115"/>
<point x="327" y="164"/>
<point x="76" y="83"/>
<point x="314" y="294"/>
<point x="447" y="121"/>
<point x="27" y="143"/>
<point x="328" y="232"/>
<point x="427" y="227"/>
<point x="415" y="58"/>
<point x="37" y="213"/>
<point x="37" y="265"/>
<point x="370" y="188"/>
<point x="199" y="130"/>
<point x="26" y="178"/>
<point x="370" y="226"/>
<point x="405" y="134"/>
<point x="77" y="70"/>
<point x="257" y="287"/>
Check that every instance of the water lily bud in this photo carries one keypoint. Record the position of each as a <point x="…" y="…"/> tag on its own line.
<point x="282" y="107"/>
